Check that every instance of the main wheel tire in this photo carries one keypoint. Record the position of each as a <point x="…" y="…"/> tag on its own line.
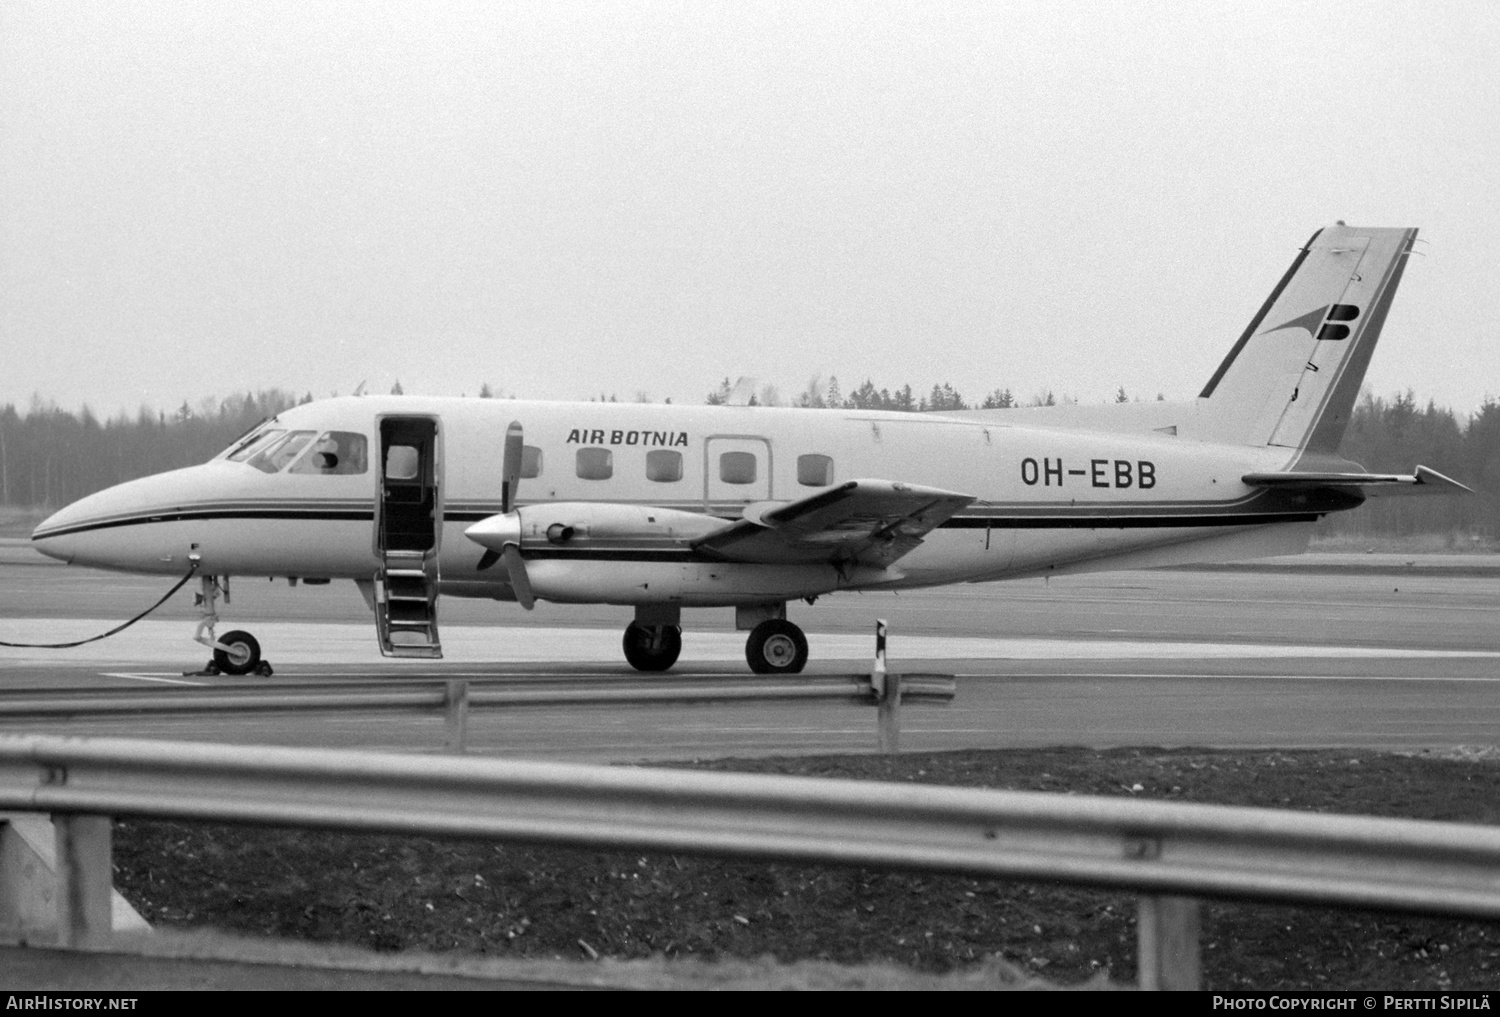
<point x="652" y="648"/>
<point x="241" y="655"/>
<point x="776" y="646"/>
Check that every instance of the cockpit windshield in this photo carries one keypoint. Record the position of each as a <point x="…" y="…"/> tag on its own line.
<point x="272" y="449"/>
<point x="275" y="454"/>
<point x="255" y="443"/>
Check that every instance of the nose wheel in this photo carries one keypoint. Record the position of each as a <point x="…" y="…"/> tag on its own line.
<point x="776" y="646"/>
<point x="237" y="652"/>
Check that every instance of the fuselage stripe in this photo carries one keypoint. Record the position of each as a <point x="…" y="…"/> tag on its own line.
<point x="1122" y="517"/>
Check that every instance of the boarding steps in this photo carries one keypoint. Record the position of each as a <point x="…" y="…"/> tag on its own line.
<point x="406" y="606"/>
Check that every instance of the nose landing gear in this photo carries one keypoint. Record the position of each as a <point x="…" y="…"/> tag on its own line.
<point x="238" y="652"/>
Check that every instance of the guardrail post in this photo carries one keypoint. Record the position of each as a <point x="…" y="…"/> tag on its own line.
<point x="27" y="889"/>
<point x="85" y="881"/>
<point x="1167" y="937"/>
<point x="457" y="721"/>
<point x="889" y="716"/>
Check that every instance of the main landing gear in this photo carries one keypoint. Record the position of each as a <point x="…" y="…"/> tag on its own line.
<point x="654" y="640"/>
<point x="775" y="646"/>
<point x="652" y="647"/>
<point x="237" y="652"/>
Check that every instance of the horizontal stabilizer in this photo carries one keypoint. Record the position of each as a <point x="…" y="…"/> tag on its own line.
<point x="862" y="522"/>
<point x="1369" y="485"/>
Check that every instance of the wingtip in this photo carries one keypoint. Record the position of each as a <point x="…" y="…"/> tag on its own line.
<point x="1436" y="479"/>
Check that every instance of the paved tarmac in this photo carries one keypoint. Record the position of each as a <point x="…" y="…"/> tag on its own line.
<point x="1364" y="651"/>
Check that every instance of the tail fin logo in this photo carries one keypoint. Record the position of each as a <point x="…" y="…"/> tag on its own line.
<point x="1324" y="323"/>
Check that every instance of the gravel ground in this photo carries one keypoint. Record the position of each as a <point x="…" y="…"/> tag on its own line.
<point x="401" y="893"/>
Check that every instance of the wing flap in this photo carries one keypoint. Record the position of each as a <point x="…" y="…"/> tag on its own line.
<point x="861" y="522"/>
<point x="1369" y="485"/>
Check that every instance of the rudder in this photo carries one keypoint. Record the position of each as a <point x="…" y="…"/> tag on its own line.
<point x="1292" y="378"/>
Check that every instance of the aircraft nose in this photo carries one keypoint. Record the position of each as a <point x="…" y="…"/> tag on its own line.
<point x="51" y="537"/>
<point x="113" y="528"/>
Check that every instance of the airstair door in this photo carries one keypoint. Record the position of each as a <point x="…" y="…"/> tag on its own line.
<point x="408" y="531"/>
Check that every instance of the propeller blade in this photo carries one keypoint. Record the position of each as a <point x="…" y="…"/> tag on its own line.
<point x="511" y="465"/>
<point x="515" y="565"/>
<point x="486" y="560"/>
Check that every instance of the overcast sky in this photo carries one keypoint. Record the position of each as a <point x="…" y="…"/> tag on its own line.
<point x="564" y="199"/>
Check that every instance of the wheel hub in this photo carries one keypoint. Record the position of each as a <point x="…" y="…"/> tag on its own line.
<point x="779" y="650"/>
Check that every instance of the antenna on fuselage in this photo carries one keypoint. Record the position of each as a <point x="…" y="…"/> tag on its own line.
<point x="743" y="392"/>
<point x="360" y="390"/>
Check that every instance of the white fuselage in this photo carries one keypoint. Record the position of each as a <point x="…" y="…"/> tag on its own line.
<point x="1047" y="499"/>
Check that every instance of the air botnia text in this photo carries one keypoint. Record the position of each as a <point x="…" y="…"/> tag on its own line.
<point x="584" y="436"/>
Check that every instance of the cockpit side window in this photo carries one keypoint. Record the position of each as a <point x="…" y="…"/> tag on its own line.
<point x="254" y="444"/>
<point x="335" y="453"/>
<point x="275" y="455"/>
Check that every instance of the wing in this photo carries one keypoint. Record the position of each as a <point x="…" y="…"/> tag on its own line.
<point x="1368" y="485"/>
<point x="859" y="522"/>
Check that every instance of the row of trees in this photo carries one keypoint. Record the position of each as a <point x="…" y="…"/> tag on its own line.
<point x="1394" y="435"/>
<point x="50" y="456"/>
<point x="819" y="395"/>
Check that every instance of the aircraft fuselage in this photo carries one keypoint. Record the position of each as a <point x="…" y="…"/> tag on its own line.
<point x="664" y="507"/>
<point x="1046" y="499"/>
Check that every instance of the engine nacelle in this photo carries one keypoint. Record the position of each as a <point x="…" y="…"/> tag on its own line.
<point x="593" y="526"/>
<point x="691" y="584"/>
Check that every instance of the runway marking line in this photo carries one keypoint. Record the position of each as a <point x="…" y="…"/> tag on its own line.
<point x="148" y="677"/>
<point x="1235" y="677"/>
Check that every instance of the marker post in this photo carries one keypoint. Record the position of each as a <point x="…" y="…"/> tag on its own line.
<point x="887" y="690"/>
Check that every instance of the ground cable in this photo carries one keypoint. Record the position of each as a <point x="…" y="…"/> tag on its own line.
<point x="192" y="568"/>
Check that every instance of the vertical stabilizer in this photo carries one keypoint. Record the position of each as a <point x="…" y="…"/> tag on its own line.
<point x="1293" y="377"/>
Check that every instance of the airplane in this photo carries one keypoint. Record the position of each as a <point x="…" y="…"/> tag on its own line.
<point x="661" y="507"/>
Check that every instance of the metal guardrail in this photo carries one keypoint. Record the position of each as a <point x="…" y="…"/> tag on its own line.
<point x="1164" y="850"/>
<point x="457" y="696"/>
<point x="408" y="695"/>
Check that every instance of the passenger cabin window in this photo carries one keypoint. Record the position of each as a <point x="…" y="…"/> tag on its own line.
<point x="663" y="466"/>
<point x="737" y="467"/>
<point x="595" y="463"/>
<point x="402" y="462"/>
<point x="277" y="454"/>
<point x="814" y="471"/>
<point x="335" y="453"/>
<point x="531" y="462"/>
